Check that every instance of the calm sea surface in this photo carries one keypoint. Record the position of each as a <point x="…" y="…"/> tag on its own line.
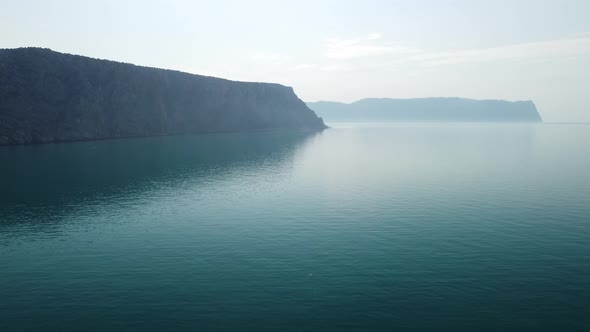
<point x="462" y="227"/>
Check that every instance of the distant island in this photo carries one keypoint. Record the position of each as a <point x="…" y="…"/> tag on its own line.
<point x="46" y="96"/>
<point x="428" y="109"/>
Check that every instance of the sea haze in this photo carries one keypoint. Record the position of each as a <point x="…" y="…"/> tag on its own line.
<point x="362" y="226"/>
<point x="427" y="110"/>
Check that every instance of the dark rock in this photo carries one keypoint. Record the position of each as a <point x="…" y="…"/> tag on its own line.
<point x="46" y="96"/>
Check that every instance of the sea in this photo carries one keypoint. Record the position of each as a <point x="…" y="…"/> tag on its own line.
<point x="360" y="227"/>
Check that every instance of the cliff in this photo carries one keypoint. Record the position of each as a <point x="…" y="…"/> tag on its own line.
<point x="428" y="109"/>
<point x="46" y="96"/>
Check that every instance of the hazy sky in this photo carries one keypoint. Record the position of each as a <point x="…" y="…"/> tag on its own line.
<point x="337" y="50"/>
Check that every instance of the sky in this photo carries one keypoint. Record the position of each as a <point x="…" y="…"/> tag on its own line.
<point x="337" y="50"/>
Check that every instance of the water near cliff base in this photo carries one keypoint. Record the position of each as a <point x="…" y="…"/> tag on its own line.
<point x="462" y="227"/>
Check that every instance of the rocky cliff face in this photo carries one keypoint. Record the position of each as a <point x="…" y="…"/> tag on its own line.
<point x="428" y="109"/>
<point x="47" y="96"/>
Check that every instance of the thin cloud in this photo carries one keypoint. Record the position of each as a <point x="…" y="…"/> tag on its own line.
<point x="304" y="66"/>
<point x="581" y="34"/>
<point x="374" y="36"/>
<point x="359" y="48"/>
<point x="336" y="67"/>
<point x="372" y="53"/>
<point x="526" y="51"/>
<point x="398" y="54"/>
<point x="270" y="57"/>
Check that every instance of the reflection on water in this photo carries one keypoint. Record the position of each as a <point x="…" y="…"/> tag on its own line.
<point x="57" y="176"/>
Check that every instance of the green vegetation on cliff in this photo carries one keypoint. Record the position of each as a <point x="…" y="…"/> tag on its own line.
<point x="46" y="96"/>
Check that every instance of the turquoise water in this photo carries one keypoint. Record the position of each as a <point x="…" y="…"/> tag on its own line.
<point x="462" y="227"/>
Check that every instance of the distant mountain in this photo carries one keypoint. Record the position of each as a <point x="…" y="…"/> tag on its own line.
<point x="46" y="96"/>
<point x="428" y="109"/>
